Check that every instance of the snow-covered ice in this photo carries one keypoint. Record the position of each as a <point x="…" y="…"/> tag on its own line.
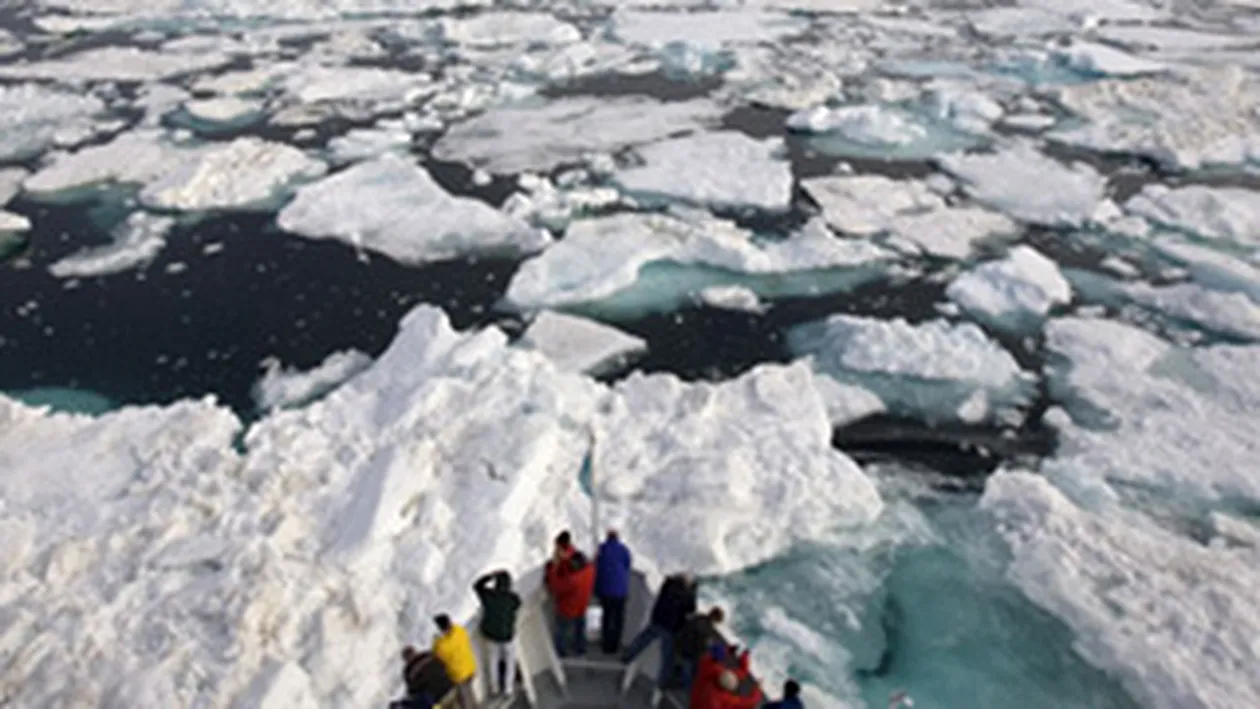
<point x="223" y="110"/>
<point x="392" y="206"/>
<point x="1027" y="185"/>
<point x="545" y="205"/>
<point x="1013" y="294"/>
<point x="496" y="29"/>
<point x="515" y="139"/>
<point x="115" y="64"/>
<point x="246" y="173"/>
<point x="1230" y="214"/>
<point x="1103" y="60"/>
<point x="284" y="387"/>
<point x="723" y="169"/>
<point x="929" y="370"/>
<point x="135" y="242"/>
<point x="581" y="345"/>
<point x="619" y="256"/>
<point x="1228" y="314"/>
<point x="732" y="298"/>
<point x="1175" y="620"/>
<point x="32" y="117"/>
<point x="13" y="223"/>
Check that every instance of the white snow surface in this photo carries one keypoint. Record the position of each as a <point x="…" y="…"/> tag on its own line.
<point x="341" y="527"/>
<point x="285" y="387"/>
<point x="497" y="29"/>
<point x="392" y="206"/>
<point x="1101" y="59"/>
<point x="11" y="179"/>
<point x="732" y="298"/>
<point x="908" y="211"/>
<point x="1027" y="185"/>
<point x="115" y="64"/>
<point x="581" y="345"/>
<point x="32" y="117"/>
<point x="1199" y="119"/>
<point x="11" y="223"/>
<point x="135" y="242"/>
<point x="1013" y="294"/>
<point x="599" y="257"/>
<point x="514" y="139"/>
<point x="724" y="169"/>
<point x="1229" y="214"/>
<point x="1174" y="620"/>
<point x="247" y="172"/>
<point x="1230" y="314"/>
<point x="222" y="109"/>
<point x="1148" y="413"/>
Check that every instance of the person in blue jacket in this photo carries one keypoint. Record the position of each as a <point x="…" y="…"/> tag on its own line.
<point x="612" y="587"/>
<point x="791" y="697"/>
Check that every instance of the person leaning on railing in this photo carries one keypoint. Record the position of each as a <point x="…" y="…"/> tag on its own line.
<point x="724" y="681"/>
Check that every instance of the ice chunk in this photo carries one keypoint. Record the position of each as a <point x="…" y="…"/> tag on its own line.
<point x="962" y="105"/>
<point x="245" y="173"/>
<point x="138" y="157"/>
<point x="543" y="205"/>
<point x="1013" y="294"/>
<point x="11" y="180"/>
<point x="1003" y="22"/>
<point x="1230" y="214"/>
<point x="866" y="124"/>
<point x="31" y="117"/>
<point x="1213" y="269"/>
<point x="709" y="30"/>
<point x="391" y="206"/>
<point x="1202" y="118"/>
<point x="847" y="403"/>
<point x="1230" y="314"/>
<point x="1175" y="621"/>
<point x="1025" y="184"/>
<point x="384" y="89"/>
<point x="725" y="169"/>
<point x="1176" y="38"/>
<point x="732" y="298"/>
<point x="115" y="64"/>
<point x="13" y="223"/>
<point x="223" y="110"/>
<point x="615" y="256"/>
<point x="1150" y="414"/>
<point x="579" y="345"/>
<point x="677" y="446"/>
<point x="136" y="242"/>
<point x="907" y="210"/>
<point x="1029" y="121"/>
<point x="1101" y="60"/>
<point x="497" y="29"/>
<point x="926" y="370"/>
<point x="367" y="143"/>
<point x="282" y="387"/>
<point x="511" y="140"/>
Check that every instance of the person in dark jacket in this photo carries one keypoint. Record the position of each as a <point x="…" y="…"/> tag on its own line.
<point x="791" y="697"/>
<point x="700" y="632"/>
<point x="612" y="586"/>
<point x="570" y="579"/>
<point x="499" y="607"/>
<point x="425" y="678"/>
<point x="674" y="603"/>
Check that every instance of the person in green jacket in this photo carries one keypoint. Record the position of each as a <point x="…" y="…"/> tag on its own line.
<point x="499" y="604"/>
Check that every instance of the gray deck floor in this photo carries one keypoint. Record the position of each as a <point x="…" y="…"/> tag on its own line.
<point x="590" y="688"/>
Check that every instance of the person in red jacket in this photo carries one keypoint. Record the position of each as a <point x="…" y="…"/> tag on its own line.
<point x="571" y="582"/>
<point x="724" y="681"/>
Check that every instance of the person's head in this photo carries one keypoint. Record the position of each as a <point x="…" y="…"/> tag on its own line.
<point x="717" y="615"/>
<point x="564" y="540"/>
<point x="443" y="622"/>
<point x="577" y="561"/>
<point x="409" y="653"/>
<point x="612" y="535"/>
<point x="791" y="689"/>
<point x="728" y="681"/>
<point x="687" y="579"/>
<point x="503" y="582"/>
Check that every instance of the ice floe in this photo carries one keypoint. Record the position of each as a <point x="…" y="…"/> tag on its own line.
<point x="1229" y="314"/>
<point x="1176" y="621"/>
<point x="135" y="242"/>
<point x="1229" y="214"/>
<point x="1013" y="294"/>
<point x="546" y="205"/>
<point x="1102" y="60"/>
<point x="628" y="264"/>
<point x="115" y="64"/>
<point x="11" y="223"/>
<point x="931" y="370"/>
<point x="1202" y="118"/>
<point x="392" y="206"/>
<point x="511" y="140"/>
<point x="1149" y="413"/>
<point x="1024" y="184"/>
<point x="284" y="387"/>
<point x="910" y="212"/>
<point x="731" y="298"/>
<point x="245" y="173"/>
<point x="32" y="118"/>
<point x="580" y="345"/>
<point x="227" y="111"/>
<point x="366" y="143"/>
<point x="725" y="170"/>
<point x="497" y="29"/>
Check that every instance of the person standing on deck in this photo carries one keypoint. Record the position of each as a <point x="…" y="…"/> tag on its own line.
<point x="675" y="601"/>
<point x="500" y="605"/>
<point x="695" y="639"/>
<point x="425" y="679"/>
<point x="612" y="587"/>
<point x="455" y="650"/>
<point x="791" y="697"/>
<point x="571" y="582"/>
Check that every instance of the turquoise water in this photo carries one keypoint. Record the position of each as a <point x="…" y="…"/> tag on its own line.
<point x="73" y="401"/>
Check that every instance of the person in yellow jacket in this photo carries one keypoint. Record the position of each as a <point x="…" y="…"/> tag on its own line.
<point x="453" y="647"/>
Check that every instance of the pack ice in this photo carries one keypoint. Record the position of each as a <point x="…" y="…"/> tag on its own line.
<point x="1012" y="294"/>
<point x="289" y="573"/>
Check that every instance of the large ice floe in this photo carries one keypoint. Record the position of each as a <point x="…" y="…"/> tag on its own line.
<point x="115" y="64"/>
<point x="514" y="139"/>
<point x="581" y="345"/>
<point x="628" y="264"/>
<point x="289" y="573"/>
<point x="722" y="169"/>
<point x="1026" y="185"/>
<point x="34" y="118"/>
<point x="935" y="370"/>
<point x="1229" y="214"/>
<point x="1013" y="294"/>
<point x="1176" y="621"/>
<point x="392" y="206"/>
<point x="907" y="212"/>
